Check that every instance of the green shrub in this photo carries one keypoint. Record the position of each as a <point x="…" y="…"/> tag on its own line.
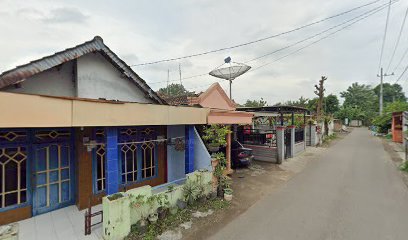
<point x="404" y="166"/>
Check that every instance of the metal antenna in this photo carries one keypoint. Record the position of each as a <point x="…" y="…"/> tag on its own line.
<point x="230" y="73"/>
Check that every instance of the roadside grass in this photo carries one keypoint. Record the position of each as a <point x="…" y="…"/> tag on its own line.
<point x="404" y="166"/>
<point x="329" y="138"/>
<point x="172" y="221"/>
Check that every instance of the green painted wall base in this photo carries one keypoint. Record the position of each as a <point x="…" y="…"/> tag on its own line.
<point x="116" y="217"/>
<point x="120" y="214"/>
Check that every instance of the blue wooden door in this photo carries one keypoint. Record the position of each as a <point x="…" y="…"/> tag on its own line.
<point x="53" y="177"/>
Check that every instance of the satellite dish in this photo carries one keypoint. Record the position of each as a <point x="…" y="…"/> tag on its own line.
<point x="231" y="72"/>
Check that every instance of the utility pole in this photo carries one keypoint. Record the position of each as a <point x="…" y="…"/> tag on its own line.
<point x="320" y="93"/>
<point x="381" y="76"/>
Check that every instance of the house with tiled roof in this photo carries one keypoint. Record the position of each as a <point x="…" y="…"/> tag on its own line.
<point x="80" y="124"/>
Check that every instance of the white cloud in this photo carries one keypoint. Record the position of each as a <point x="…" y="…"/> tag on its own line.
<point x="146" y="30"/>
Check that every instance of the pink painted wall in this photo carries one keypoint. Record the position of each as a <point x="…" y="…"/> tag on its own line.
<point x="215" y="99"/>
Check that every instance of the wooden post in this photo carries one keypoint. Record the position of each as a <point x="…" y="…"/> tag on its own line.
<point x="228" y="154"/>
<point x="293" y="118"/>
<point x="281" y="120"/>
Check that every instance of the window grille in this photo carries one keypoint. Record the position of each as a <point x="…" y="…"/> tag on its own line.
<point x="148" y="160"/>
<point x="13" y="178"/>
<point x="13" y="136"/>
<point x="129" y="163"/>
<point x="100" y="158"/>
<point x="52" y="135"/>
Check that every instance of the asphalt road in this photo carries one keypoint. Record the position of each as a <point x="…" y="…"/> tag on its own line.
<point x="353" y="191"/>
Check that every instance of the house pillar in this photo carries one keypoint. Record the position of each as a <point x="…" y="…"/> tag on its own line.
<point x="111" y="166"/>
<point x="280" y="143"/>
<point x="313" y="135"/>
<point x="304" y="135"/>
<point x="228" y="154"/>
<point x="189" y="149"/>
<point x="292" y="140"/>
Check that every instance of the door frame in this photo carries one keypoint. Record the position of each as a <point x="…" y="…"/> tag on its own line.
<point x="70" y="143"/>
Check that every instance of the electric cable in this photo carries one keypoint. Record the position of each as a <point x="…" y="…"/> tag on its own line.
<point x="301" y="41"/>
<point x="398" y="39"/>
<point x="255" y="41"/>
<point x="385" y="36"/>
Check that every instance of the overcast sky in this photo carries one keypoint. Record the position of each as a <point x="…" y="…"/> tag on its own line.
<point x="147" y="30"/>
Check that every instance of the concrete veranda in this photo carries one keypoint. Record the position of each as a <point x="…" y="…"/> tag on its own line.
<point x="62" y="224"/>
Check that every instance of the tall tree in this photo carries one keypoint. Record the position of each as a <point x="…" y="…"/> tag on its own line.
<point x="312" y="104"/>
<point x="301" y="102"/>
<point x="174" y="89"/>
<point x="361" y="96"/>
<point x="331" y="104"/>
<point x="391" y="93"/>
<point x="255" y="103"/>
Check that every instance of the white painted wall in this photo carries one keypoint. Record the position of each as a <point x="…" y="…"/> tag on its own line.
<point x="57" y="81"/>
<point x="202" y="158"/>
<point x="98" y="78"/>
<point x="331" y="127"/>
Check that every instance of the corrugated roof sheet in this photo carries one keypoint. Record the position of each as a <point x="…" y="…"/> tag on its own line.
<point x="22" y="72"/>
<point x="279" y="109"/>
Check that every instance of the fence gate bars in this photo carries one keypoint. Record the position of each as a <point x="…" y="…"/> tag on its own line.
<point x="88" y="218"/>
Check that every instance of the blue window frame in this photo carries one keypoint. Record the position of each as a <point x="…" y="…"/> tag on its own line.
<point x="138" y="159"/>
<point x="14" y="172"/>
<point x="149" y="157"/>
<point x="99" y="161"/>
<point x="18" y="176"/>
<point x="14" y="169"/>
<point x="129" y="156"/>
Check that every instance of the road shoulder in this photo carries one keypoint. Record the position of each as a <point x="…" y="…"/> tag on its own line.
<point x="396" y="153"/>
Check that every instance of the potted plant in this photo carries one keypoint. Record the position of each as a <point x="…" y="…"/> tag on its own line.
<point x="212" y="195"/>
<point x="221" y="164"/>
<point x="228" y="194"/>
<point x="164" y="206"/>
<point x="215" y="136"/>
<point x="181" y="203"/>
<point x="224" y="183"/>
<point x="217" y="159"/>
<point x="201" y="193"/>
<point x="190" y="192"/>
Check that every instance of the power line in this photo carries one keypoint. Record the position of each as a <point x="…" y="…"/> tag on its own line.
<point x="315" y="35"/>
<point x="374" y="10"/>
<point x="255" y="41"/>
<point x="314" y="42"/>
<point x="184" y="78"/>
<point x="402" y="74"/>
<point x="320" y="39"/>
<point x="398" y="39"/>
<point x="385" y="35"/>
<point x="402" y="58"/>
